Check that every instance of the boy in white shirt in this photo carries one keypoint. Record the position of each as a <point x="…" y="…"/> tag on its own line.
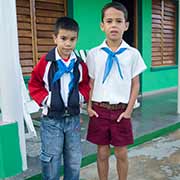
<point x="114" y="69"/>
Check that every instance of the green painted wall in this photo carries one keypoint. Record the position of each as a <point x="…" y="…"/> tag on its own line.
<point x="10" y="156"/>
<point x="152" y="80"/>
<point x="88" y="15"/>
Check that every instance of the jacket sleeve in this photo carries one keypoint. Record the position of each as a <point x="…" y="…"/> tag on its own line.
<point x="36" y="84"/>
<point x="84" y="87"/>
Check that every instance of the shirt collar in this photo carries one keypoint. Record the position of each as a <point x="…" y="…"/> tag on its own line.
<point x="58" y="57"/>
<point x="123" y="45"/>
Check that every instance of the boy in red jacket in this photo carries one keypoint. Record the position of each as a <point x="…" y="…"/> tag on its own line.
<point x="59" y="83"/>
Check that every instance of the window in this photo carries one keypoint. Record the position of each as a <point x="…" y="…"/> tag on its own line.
<point x="163" y="33"/>
<point x="35" y="20"/>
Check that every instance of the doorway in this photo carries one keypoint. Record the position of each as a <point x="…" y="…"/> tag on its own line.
<point x="130" y="35"/>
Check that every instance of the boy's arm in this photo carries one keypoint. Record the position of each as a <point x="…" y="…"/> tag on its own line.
<point x="90" y="111"/>
<point x="133" y="96"/>
<point x="36" y="85"/>
<point x="84" y="87"/>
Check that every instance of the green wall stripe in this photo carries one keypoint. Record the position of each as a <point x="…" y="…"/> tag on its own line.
<point x="140" y="140"/>
<point x="37" y="177"/>
<point x="10" y="156"/>
<point x="163" y="68"/>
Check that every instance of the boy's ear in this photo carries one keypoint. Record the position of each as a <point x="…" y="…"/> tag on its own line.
<point x="54" y="38"/>
<point x="127" y="26"/>
<point x="102" y="26"/>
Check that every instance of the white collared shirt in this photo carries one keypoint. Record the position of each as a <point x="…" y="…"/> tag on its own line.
<point x="66" y="78"/>
<point x="114" y="89"/>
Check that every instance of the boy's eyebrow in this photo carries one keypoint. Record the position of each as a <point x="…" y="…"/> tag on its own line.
<point x="63" y="35"/>
<point x="112" y="17"/>
<point x="115" y="18"/>
<point x="75" y="36"/>
<point x="68" y="36"/>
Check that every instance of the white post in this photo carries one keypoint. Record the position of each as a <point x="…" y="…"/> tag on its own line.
<point x="178" y="106"/>
<point x="10" y="75"/>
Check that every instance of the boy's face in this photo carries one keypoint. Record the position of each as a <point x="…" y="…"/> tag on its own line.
<point x="66" y="42"/>
<point x="114" y="24"/>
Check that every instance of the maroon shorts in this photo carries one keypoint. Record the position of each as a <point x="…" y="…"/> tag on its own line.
<point x="105" y="129"/>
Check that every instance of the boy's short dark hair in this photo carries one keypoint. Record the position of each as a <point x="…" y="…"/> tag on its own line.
<point x="116" y="5"/>
<point x="66" y="23"/>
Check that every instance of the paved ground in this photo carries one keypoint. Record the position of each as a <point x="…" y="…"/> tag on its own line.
<point x="156" y="112"/>
<point x="158" y="159"/>
<point x="155" y="160"/>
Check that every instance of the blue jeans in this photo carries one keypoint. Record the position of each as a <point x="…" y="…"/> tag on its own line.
<point x="60" y="137"/>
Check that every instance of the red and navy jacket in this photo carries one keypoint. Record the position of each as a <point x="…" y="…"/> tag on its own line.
<point x="40" y="86"/>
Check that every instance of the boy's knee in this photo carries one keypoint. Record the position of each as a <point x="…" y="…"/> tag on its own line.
<point x="121" y="153"/>
<point x="74" y="162"/>
<point x="103" y="153"/>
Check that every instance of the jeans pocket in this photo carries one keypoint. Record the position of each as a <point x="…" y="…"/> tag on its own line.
<point x="50" y="166"/>
<point x="45" y="157"/>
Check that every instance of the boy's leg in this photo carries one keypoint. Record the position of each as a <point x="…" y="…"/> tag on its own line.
<point x="52" y="146"/>
<point x="103" y="161"/>
<point x="72" y="148"/>
<point x="122" y="162"/>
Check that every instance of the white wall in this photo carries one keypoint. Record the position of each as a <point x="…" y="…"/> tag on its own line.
<point x="10" y="73"/>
